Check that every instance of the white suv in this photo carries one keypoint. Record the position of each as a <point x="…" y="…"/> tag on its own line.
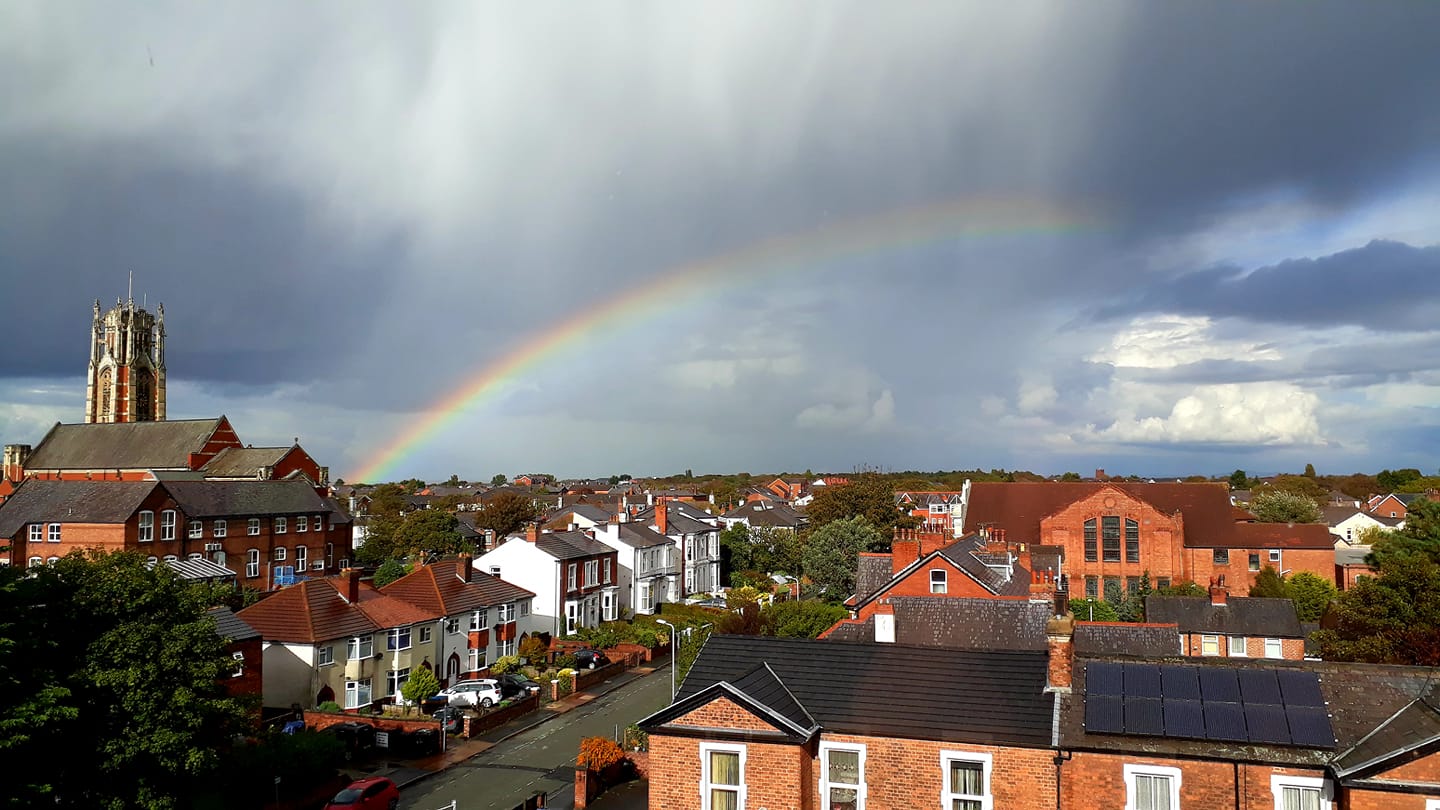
<point x="483" y="693"/>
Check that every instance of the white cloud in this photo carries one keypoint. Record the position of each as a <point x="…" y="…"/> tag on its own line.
<point x="855" y="415"/>
<point x="1167" y="341"/>
<point x="1250" y="413"/>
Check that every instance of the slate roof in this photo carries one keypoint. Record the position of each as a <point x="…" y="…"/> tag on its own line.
<point x="36" y="501"/>
<point x="571" y="545"/>
<point x="1019" y="507"/>
<point x="243" y="462"/>
<point x="1125" y="640"/>
<point x="763" y="513"/>
<point x="437" y="589"/>
<point x="1358" y="697"/>
<point x="960" y="623"/>
<point x="947" y="695"/>
<point x="122" y="445"/>
<point x="640" y="536"/>
<point x="1333" y="515"/>
<point x="872" y="575"/>
<point x="586" y="510"/>
<point x="1239" y="616"/>
<point x="465" y="525"/>
<point x="1414" y="727"/>
<point x="1343" y="556"/>
<point x="306" y="613"/>
<point x="202" y="499"/>
<point x="967" y="554"/>
<point x="229" y="626"/>
<point x="762" y="685"/>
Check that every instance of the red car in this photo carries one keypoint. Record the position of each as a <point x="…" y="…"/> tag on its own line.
<point x="370" y="793"/>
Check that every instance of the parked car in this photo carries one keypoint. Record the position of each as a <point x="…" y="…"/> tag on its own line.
<point x="356" y="737"/>
<point x="590" y="659"/>
<point x="484" y="693"/>
<point x="513" y="684"/>
<point x="453" y="718"/>
<point x="370" y="793"/>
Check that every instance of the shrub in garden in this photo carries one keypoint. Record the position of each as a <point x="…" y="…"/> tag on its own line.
<point x="504" y="664"/>
<point x="328" y="706"/>
<point x="599" y="753"/>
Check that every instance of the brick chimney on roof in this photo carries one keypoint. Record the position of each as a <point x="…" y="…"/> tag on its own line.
<point x="1060" y="643"/>
<point x="463" y="566"/>
<point x="532" y="532"/>
<point x="904" y="549"/>
<point x="1218" y="591"/>
<point x="350" y="585"/>
<point x="662" y="514"/>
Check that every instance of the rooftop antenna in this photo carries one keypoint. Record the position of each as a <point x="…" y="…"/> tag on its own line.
<point x="130" y="289"/>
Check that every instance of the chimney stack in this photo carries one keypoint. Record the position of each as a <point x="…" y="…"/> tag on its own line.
<point x="904" y="549"/>
<point x="1060" y="642"/>
<point x="350" y="585"/>
<point x="662" y="514"/>
<point x="532" y="532"/>
<point x="463" y="567"/>
<point x="1218" y="591"/>
<point x="885" y="623"/>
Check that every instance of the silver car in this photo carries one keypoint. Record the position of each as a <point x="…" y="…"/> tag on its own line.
<point x="483" y="693"/>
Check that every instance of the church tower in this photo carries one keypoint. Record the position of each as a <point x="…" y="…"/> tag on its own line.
<point x="127" y="365"/>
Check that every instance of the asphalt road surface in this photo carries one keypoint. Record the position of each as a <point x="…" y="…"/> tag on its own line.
<point x="542" y="758"/>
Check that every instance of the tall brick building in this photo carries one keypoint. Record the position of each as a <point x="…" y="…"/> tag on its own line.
<point x="126" y="377"/>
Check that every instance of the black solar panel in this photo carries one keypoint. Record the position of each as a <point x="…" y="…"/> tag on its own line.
<point x="1259" y="686"/>
<point x="1104" y="679"/>
<point x="1300" y="688"/>
<point x="1310" y="727"/>
<point x="1219" y="684"/>
<point x="1266" y="723"/>
<point x="1142" y="680"/>
<point x="1184" y="718"/>
<point x="1225" y="721"/>
<point x="1104" y="714"/>
<point x="1143" y="716"/>
<point x="1179" y="682"/>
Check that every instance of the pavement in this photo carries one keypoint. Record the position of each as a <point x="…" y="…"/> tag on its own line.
<point x="410" y="772"/>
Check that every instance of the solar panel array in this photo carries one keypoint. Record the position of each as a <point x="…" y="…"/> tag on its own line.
<point x="1223" y="704"/>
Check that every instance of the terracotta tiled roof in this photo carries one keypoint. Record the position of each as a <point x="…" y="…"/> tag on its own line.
<point x="435" y="588"/>
<point x="1019" y="507"/>
<point x="1280" y="535"/>
<point x="387" y="611"/>
<point x="307" y="613"/>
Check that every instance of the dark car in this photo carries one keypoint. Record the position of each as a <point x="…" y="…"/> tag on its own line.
<point x="513" y="684"/>
<point x="453" y="718"/>
<point x="590" y="659"/>
<point x="370" y="793"/>
<point x="356" y="737"/>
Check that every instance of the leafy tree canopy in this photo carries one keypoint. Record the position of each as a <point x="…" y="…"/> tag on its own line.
<point x="499" y="480"/>
<point x="420" y="686"/>
<point x="506" y="513"/>
<point x="388" y="500"/>
<point x="430" y="532"/>
<point x="800" y="619"/>
<point x="1269" y="584"/>
<point x="388" y="572"/>
<point x="1279" y="506"/>
<point x="1239" y="480"/>
<point x="832" y="554"/>
<point x="111" y="671"/>
<point x="1093" y="610"/>
<point x="868" y="496"/>
<point x="1311" y="488"/>
<point x="1391" y="619"/>
<point x="1419" y="537"/>
<point x="1312" y="595"/>
<point x="1395" y="480"/>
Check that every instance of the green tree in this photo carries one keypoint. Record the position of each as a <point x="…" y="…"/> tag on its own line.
<point x="1182" y="588"/>
<point x="1070" y="476"/>
<point x="737" y="553"/>
<point x="506" y="513"/>
<point x="499" y="480"/>
<point x="1299" y="485"/>
<point x="1239" y="480"/>
<point x="420" y="686"/>
<point x="1395" y="480"/>
<point x="1277" y="506"/>
<point x="412" y="485"/>
<point x="1312" y="595"/>
<point x="1420" y="536"/>
<point x="868" y="495"/>
<point x="1390" y="619"/>
<point x="1309" y="470"/>
<point x="796" y="619"/>
<point x="112" y="669"/>
<point x="1093" y="610"/>
<point x="388" y="572"/>
<point x="381" y="532"/>
<point x="430" y="532"/>
<point x="387" y="500"/>
<point x="832" y="554"/>
<point x="1269" y="584"/>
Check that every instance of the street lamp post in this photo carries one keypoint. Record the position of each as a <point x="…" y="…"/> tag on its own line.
<point x="674" y="655"/>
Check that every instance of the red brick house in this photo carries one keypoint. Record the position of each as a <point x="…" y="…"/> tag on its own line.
<point x="1224" y="626"/>
<point x="1114" y="533"/>
<point x="794" y="724"/>
<point x="267" y="532"/>
<point x="246" y="647"/>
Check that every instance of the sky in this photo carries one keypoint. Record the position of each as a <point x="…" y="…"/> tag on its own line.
<point x="1155" y="238"/>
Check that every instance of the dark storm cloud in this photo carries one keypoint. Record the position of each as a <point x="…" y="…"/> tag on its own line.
<point x="1383" y="286"/>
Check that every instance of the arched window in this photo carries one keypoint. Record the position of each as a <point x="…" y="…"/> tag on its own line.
<point x="105" y="385"/>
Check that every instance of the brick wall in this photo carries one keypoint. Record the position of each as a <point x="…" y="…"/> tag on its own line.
<point x="1092" y="781"/>
<point x="772" y="771"/>
<point x="1291" y="649"/>
<point x="1238" y="574"/>
<point x="957" y="584"/>
<point x="1161" y="537"/>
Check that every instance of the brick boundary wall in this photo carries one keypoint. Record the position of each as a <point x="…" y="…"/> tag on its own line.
<point x="586" y="677"/>
<point x="499" y="717"/>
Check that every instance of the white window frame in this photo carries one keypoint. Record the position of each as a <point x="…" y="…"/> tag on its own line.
<point x="826" y="784"/>
<point x="53" y="533"/>
<point x="572" y="617"/>
<point x="607" y="568"/>
<point x="1165" y="771"/>
<point x="396" y="678"/>
<point x="1209" y="639"/>
<point x="252" y="562"/>
<point x="354" y="647"/>
<point x="196" y="529"/>
<point x="167" y="524"/>
<point x="505" y="613"/>
<point x="147" y="526"/>
<point x="1278" y="782"/>
<point x="221" y="528"/>
<point x="395" y="637"/>
<point x="352" y="693"/>
<point x="301" y="524"/>
<point x="280" y="525"/>
<point x="279" y="554"/>
<point x="318" y="523"/>
<point x="1275" y="555"/>
<point x="645" y="603"/>
<point x="239" y="658"/>
<point x="573" y="568"/>
<point x="507" y="648"/>
<point x="1231" y="645"/>
<point x="1279" y="648"/>
<point x="524" y="605"/>
<point x="325" y="656"/>
<point x="986" y="762"/>
<point x="452" y="625"/>
<point x="302" y="558"/>
<point x="480" y="619"/>
<point x="607" y="606"/>
<point x="592" y="572"/>
<point x="37" y="532"/>
<point x="725" y="748"/>
<point x="425" y="634"/>
<point x="34" y="562"/>
<point x="943" y="580"/>
<point x="252" y="527"/>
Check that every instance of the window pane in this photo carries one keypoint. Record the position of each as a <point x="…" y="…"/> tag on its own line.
<point x="967" y="778"/>
<point x="1090" y="540"/>
<point x="1300" y="798"/>
<point x="1132" y="541"/>
<point x="725" y="768"/>
<point x="724" y="800"/>
<point x="843" y="799"/>
<point x="1110" y="538"/>
<point x="1152" y="792"/>
<point x="844" y="766"/>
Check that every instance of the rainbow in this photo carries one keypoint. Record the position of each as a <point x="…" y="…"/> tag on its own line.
<point x="813" y="249"/>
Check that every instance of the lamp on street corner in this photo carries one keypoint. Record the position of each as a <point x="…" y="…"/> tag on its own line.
<point x="674" y="656"/>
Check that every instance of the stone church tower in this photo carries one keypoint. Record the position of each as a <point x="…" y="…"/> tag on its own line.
<point x="127" y="365"/>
